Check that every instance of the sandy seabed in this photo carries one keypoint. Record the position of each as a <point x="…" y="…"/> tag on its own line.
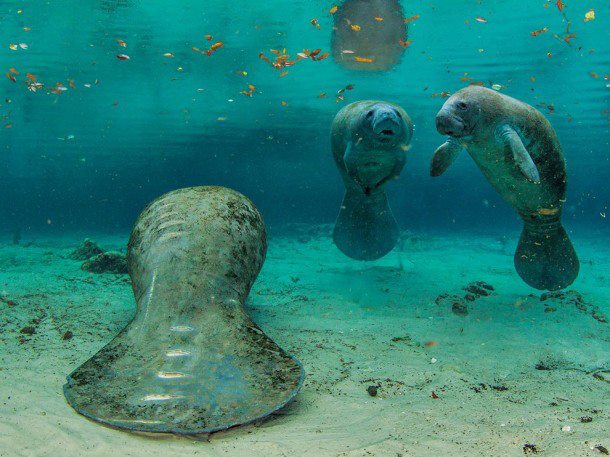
<point x="506" y="374"/>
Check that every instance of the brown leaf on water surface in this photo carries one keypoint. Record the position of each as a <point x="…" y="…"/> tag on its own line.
<point x="539" y="31"/>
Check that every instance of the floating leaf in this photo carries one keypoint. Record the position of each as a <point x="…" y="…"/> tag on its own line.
<point x="355" y="27"/>
<point x="405" y="44"/>
<point x="539" y="31"/>
<point x="315" y="23"/>
<point x="13" y="47"/>
<point x="11" y="77"/>
<point x="568" y="37"/>
<point x="589" y="15"/>
<point x="122" y="57"/>
<point x="208" y="37"/>
<point x="23" y="45"/>
<point x="215" y="46"/>
<point x="121" y="43"/>
<point x="411" y="19"/>
<point x="333" y="10"/>
<point x="363" y="59"/>
<point x="13" y="71"/>
<point x="168" y="54"/>
<point x="560" y="5"/>
<point x="378" y="19"/>
<point x="481" y="19"/>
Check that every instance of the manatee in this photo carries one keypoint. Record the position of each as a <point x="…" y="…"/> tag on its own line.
<point x="191" y="360"/>
<point x="362" y="42"/>
<point x="369" y="141"/>
<point x="517" y="150"/>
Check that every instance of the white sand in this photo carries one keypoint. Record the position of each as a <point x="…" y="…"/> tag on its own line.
<point x="338" y="317"/>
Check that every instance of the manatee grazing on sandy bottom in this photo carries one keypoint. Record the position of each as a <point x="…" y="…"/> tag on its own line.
<point x="517" y="150"/>
<point x="367" y="34"/>
<point x="191" y="361"/>
<point x="369" y="141"/>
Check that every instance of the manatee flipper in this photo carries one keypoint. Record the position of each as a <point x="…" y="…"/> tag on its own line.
<point x="350" y="159"/>
<point x="444" y="156"/>
<point x="545" y="258"/>
<point x="366" y="228"/>
<point x="522" y="158"/>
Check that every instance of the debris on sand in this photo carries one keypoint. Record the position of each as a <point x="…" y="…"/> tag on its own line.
<point x="530" y="449"/>
<point x="107" y="262"/>
<point x="458" y="305"/>
<point x="86" y="250"/>
<point x="476" y="290"/>
<point x="574" y="298"/>
<point x="29" y="330"/>
<point x="479" y="289"/>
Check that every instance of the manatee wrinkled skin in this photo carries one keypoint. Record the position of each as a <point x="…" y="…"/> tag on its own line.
<point x="191" y="361"/>
<point x="518" y="151"/>
<point x="369" y="142"/>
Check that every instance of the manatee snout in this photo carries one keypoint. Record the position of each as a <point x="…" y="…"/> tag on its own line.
<point x="386" y="122"/>
<point x="448" y="123"/>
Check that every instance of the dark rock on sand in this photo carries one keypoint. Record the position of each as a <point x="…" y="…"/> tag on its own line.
<point x="107" y="262"/>
<point x="86" y="250"/>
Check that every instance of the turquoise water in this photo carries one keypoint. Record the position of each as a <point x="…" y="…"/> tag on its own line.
<point x="437" y="348"/>
<point x="93" y="156"/>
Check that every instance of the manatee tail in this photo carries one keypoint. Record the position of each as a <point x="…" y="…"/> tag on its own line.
<point x="366" y="228"/>
<point x="545" y="258"/>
